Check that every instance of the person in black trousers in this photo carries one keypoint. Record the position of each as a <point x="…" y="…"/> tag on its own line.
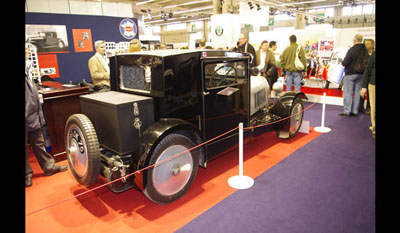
<point x="34" y="121"/>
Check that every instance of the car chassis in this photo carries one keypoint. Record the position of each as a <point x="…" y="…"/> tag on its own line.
<point x="163" y="103"/>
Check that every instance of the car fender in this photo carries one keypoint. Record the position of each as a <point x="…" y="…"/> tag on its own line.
<point x="155" y="133"/>
<point x="283" y="106"/>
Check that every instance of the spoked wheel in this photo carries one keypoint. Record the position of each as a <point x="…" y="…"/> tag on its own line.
<point x="170" y="180"/>
<point x="297" y="116"/>
<point x="82" y="148"/>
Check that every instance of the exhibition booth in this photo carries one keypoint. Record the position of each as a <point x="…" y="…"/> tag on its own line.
<point x="78" y="33"/>
<point x="195" y="140"/>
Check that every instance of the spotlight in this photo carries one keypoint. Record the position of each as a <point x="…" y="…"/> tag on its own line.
<point x="149" y="16"/>
<point x="250" y="5"/>
<point x="164" y="16"/>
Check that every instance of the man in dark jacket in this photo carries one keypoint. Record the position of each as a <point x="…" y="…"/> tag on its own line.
<point x="368" y="81"/>
<point x="352" y="79"/>
<point x="245" y="47"/>
<point x="34" y="120"/>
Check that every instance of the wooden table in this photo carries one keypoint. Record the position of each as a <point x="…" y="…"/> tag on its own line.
<point x="60" y="101"/>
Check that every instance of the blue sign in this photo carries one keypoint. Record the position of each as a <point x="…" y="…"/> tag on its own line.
<point x="128" y="28"/>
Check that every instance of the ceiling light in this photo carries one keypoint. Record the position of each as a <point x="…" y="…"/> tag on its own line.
<point x="251" y="6"/>
<point x="304" y="2"/>
<point x="187" y="3"/>
<point x="194" y="9"/>
<point x="144" y="2"/>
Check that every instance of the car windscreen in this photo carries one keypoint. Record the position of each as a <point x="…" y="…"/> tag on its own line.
<point x="225" y="73"/>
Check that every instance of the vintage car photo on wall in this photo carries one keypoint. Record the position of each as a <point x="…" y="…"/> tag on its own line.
<point x="164" y="102"/>
<point x="47" y="38"/>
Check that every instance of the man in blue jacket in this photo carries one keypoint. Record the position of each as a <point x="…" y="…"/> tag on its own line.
<point x="352" y="79"/>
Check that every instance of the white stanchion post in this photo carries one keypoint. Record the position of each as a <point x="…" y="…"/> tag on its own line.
<point x="240" y="181"/>
<point x="322" y="128"/>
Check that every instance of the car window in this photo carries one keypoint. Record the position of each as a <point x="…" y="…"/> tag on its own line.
<point x="227" y="73"/>
<point x="135" y="78"/>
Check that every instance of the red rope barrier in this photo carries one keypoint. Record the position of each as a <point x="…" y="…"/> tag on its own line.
<point x="162" y="162"/>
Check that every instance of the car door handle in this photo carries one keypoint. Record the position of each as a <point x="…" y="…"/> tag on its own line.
<point x="206" y="93"/>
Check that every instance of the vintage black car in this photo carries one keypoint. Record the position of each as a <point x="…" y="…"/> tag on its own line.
<point x="47" y="40"/>
<point x="162" y="103"/>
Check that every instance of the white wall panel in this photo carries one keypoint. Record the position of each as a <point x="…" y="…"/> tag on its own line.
<point x="59" y="6"/>
<point x="124" y="10"/>
<point x="78" y="7"/>
<point x="94" y="8"/>
<point x="110" y="9"/>
<point x="38" y="6"/>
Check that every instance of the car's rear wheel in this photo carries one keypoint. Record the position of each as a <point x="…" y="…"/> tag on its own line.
<point x="173" y="175"/>
<point x="82" y="149"/>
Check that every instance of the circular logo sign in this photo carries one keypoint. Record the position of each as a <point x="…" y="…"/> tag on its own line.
<point x="128" y="28"/>
<point x="219" y="31"/>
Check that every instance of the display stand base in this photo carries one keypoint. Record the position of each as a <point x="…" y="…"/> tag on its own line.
<point x="240" y="182"/>
<point x="322" y="129"/>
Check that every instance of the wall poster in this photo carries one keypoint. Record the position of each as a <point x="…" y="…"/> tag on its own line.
<point x="47" y="38"/>
<point x="49" y="65"/>
<point x="325" y="47"/>
<point x="82" y="40"/>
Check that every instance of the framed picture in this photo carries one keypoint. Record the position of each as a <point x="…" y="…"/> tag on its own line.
<point x="325" y="47"/>
<point x="47" y="38"/>
<point x="82" y="40"/>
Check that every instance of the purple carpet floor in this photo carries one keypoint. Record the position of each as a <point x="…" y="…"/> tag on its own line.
<point x="327" y="186"/>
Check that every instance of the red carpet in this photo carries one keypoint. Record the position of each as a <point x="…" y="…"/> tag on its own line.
<point x="130" y="211"/>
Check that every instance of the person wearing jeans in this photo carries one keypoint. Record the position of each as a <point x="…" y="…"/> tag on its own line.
<point x="293" y="75"/>
<point x="352" y="84"/>
<point x="293" y="78"/>
<point x="352" y="79"/>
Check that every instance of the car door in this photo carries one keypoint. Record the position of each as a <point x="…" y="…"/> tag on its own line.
<point x="226" y="91"/>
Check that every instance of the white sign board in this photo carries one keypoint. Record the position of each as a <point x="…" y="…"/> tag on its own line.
<point x="225" y="30"/>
